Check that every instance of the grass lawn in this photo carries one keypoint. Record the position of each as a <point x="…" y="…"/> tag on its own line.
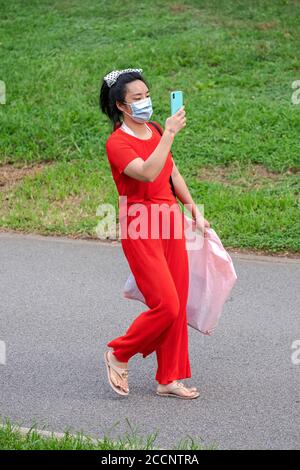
<point x="235" y="61"/>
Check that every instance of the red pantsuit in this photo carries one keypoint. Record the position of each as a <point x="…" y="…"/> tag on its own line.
<point x="159" y="265"/>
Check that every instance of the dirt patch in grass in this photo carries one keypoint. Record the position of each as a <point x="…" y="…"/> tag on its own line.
<point x="257" y="252"/>
<point x="67" y="209"/>
<point x="10" y="174"/>
<point x="252" y="176"/>
<point x="69" y="201"/>
<point x="178" y="7"/>
<point x="267" y="25"/>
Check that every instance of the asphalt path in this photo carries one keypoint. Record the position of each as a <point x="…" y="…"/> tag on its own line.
<point x="61" y="302"/>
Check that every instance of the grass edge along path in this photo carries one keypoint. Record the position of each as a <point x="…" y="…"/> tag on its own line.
<point x="15" y="437"/>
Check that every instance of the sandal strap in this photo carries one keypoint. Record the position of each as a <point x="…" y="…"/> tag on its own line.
<point x="177" y="386"/>
<point x="188" y="388"/>
<point x="120" y="370"/>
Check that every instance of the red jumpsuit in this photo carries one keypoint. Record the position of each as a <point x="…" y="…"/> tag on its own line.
<point x="159" y="265"/>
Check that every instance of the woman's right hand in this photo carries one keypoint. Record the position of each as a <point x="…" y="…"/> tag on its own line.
<point x="176" y="122"/>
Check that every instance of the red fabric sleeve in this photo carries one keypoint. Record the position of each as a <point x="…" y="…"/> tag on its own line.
<point x="120" y="153"/>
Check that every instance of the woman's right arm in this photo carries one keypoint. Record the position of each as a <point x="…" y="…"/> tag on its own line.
<point x="148" y="170"/>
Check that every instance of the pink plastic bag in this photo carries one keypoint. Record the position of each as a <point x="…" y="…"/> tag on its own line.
<point x="211" y="279"/>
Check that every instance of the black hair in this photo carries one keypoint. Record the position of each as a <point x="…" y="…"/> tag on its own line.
<point x="109" y="96"/>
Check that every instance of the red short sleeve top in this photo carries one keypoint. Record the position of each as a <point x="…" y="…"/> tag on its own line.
<point x="121" y="149"/>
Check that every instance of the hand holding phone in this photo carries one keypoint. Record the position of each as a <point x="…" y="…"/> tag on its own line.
<point x="176" y="122"/>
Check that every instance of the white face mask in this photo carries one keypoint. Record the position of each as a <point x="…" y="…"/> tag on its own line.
<point x="141" y="110"/>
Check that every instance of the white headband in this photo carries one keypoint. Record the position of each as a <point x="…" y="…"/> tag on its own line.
<point x="111" y="77"/>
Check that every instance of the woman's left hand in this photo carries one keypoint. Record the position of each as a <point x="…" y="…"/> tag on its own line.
<point x="200" y="223"/>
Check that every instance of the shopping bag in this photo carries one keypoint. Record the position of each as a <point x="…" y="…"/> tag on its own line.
<point x="211" y="279"/>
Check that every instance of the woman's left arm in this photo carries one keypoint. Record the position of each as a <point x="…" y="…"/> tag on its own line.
<point x="183" y="194"/>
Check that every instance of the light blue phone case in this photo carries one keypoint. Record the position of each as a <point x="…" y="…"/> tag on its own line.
<point x="176" y="99"/>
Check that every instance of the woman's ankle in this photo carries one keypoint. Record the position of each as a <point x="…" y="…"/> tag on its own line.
<point x="169" y="383"/>
<point x="121" y="364"/>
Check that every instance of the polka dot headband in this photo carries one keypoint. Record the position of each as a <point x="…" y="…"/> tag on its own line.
<point x="111" y="77"/>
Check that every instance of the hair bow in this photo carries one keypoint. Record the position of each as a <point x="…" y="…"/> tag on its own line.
<point x="111" y="77"/>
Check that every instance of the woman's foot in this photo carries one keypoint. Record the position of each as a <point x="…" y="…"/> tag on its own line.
<point x="192" y="389"/>
<point x="118" y="381"/>
<point x="177" y="389"/>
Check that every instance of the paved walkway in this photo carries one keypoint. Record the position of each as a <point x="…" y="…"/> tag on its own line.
<point x="61" y="302"/>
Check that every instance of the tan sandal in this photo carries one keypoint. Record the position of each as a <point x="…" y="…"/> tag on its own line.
<point x="175" y="390"/>
<point x="123" y="373"/>
<point x="192" y="389"/>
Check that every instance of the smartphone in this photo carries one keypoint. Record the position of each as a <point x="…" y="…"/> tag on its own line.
<point x="176" y="101"/>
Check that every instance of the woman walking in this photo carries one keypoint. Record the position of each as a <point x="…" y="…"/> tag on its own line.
<point x="141" y="165"/>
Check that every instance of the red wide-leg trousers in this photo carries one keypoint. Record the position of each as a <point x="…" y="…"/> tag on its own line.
<point x="160" y="268"/>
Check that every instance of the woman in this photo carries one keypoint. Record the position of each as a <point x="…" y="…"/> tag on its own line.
<point x="141" y="165"/>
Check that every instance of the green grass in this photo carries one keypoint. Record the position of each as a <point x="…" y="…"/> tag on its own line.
<point x="235" y="61"/>
<point x="11" y="438"/>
